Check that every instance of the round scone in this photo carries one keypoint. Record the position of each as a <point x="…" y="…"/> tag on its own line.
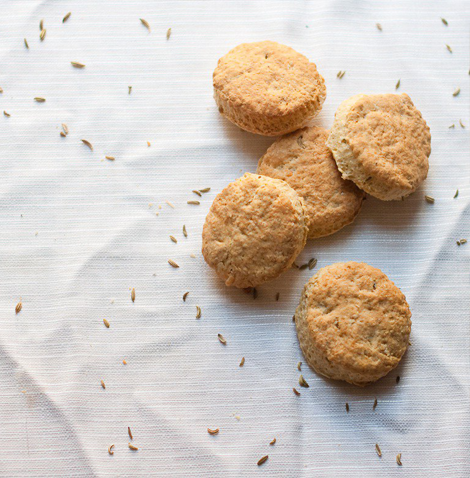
<point x="382" y="143"/>
<point x="303" y="160"/>
<point x="353" y="323"/>
<point x="268" y="88"/>
<point x="255" y="229"/>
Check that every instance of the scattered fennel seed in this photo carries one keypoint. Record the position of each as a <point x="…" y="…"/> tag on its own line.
<point x="277" y="296"/>
<point x="199" y="313"/>
<point x="173" y="238"/>
<point x="130" y="433"/>
<point x="449" y="48"/>
<point x="133" y="294"/>
<point x="242" y="362"/>
<point x="42" y="35"/>
<point x="273" y="441"/>
<point x="195" y="203"/>
<point x="130" y="89"/>
<point x="347" y="407"/>
<point x="168" y="33"/>
<point x="185" y="233"/>
<point x="106" y="322"/>
<point x="461" y="124"/>
<point x="132" y="447"/>
<point x="170" y="204"/>
<point x="65" y="128"/>
<point x="456" y="193"/>
<point x="444" y="21"/>
<point x="76" y="64"/>
<point x="18" y="307"/>
<point x="173" y="264"/>
<point x="461" y="242"/>
<point x="263" y="460"/>
<point x="379" y="26"/>
<point x="222" y="339"/>
<point x="184" y="296"/>
<point x="375" y="404"/>
<point x="452" y="126"/>
<point x="456" y="92"/>
<point x="399" y="463"/>
<point x="299" y="366"/>
<point x="66" y="17"/>
<point x="145" y="23"/>
<point x="103" y="384"/>
<point x="26" y="43"/>
<point x="205" y="190"/>
<point x="39" y="99"/>
<point x="197" y="192"/>
<point x="41" y="25"/>
<point x="87" y="143"/>
<point x="429" y="199"/>
<point x="296" y="391"/>
<point x="212" y="431"/>
<point x="378" y="450"/>
<point x="148" y="144"/>
<point x="398" y="84"/>
<point x="63" y="134"/>
<point x="110" y="450"/>
<point x="111" y="158"/>
<point x="312" y="263"/>
<point x="303" y="382"/>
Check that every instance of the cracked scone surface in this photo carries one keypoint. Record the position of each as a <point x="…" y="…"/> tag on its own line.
<point x="268" y="88"/>
<point x="382" y="143"/>
<point x="353" y="323"/>
<point x="303" y="160"/>
<point x="254" y="230"/>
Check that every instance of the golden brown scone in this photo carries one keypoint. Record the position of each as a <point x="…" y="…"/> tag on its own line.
<point x="303" y="160"/>
<point x="382" y="143"/>
<point x="353" y="323"/>
<point x="255" y="229"/>
<point x="268" y="88"/>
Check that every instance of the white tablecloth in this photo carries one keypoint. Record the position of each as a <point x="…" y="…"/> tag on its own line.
<point x="77" y="232"/>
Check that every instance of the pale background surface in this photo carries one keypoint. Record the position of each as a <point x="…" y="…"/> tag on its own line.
<point x="77" y="232"/>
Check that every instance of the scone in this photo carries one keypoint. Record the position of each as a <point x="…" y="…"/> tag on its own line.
<point x="353" y="323"/>
<point x="382" y="143"/>
<point x="255" y="229"/>
<point x="303" y="160"/>
<point x="268" y="88"/>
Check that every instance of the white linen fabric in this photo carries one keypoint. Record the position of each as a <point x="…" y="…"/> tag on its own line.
<point x="78" y="232"/>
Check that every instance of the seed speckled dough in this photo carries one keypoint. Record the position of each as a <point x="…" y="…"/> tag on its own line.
<point x="268" y="88"/>
<point x="353" y="323"/>
<point x="255" y="229"/>
<point x="381" y="143"/>
<point x="303" y="160"/>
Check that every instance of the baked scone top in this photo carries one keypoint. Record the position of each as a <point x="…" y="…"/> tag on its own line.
<point x="303" y="160"/>
<point x="353" y="322"/>
<point x="382" y="143"/>
<point x="268" y="78"/>
<point x="254" y="230"/>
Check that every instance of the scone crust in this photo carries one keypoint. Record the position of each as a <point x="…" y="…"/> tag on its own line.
<point x="353" y="323"/>
<point x="254" y="230"/>
<point x="382" y="143"/>
<point x="268" y="88"/>
<point x="303" y="160"/>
